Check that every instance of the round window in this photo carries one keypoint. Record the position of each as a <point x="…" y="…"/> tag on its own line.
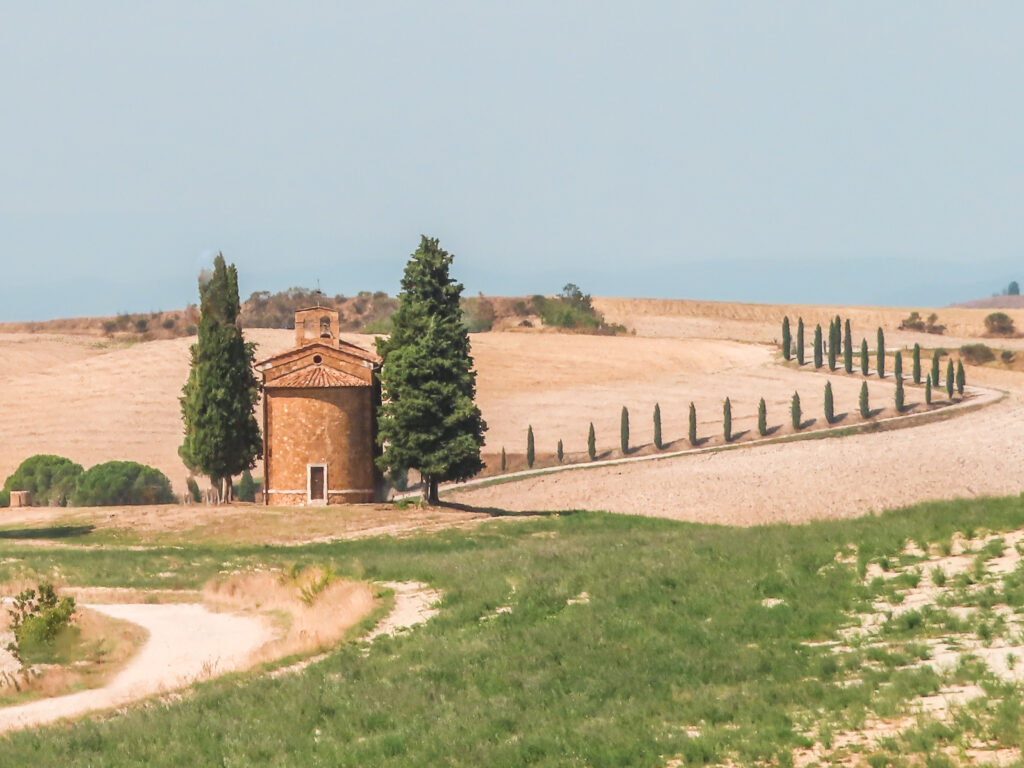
<point x="317" y="359"/>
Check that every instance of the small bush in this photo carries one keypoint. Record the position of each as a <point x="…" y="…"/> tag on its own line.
<point x="246" y="487"/>
<point x="477" y="314"/>
<point x="572" y="309"/>
<point x="727" y="420"/>
<point x="692" y="431"/>
<point x="560" y="452"/>
<point x="193" y="490"/>
<point x="794" y="411"/>
<point x="504" y="459"/>
<point x="122" y="482"/>
<point x="37" y="621"/>
<point x="141" y="324"/>
<point x="530" y="456"/>
<point x="1006" y="356"/>
<point x="912" y="323"/>
<point x="49" y="479"/>
<point x="762" y="418"/>
<point x="168" y="323"/>
<point x="999" y="324"/>
<point x="865" y="408"/>
<point x="591" y="443"/>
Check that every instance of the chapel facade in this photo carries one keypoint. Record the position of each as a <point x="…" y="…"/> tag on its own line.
<point x="319" y="417"/>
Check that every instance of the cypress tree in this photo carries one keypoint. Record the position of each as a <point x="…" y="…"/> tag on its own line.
<point x="928" y="390"/>
<point x="880" y="354"/>
<point x="833" y="344"/>
<point x="428" y="420"/>
<point x="830" y="408"/>
<point x="950" y="384"/>
<point x="865" y="409"/>
<point x="817" y="346"/>
<point x="246" y="487"/>
<point x="786" y="339"/>
<point x="657" y="427"/>
<point x="560" y="451"/>
<point x="961" y="379"/>
<point x="847" y="348"/>
<point x="864" y="357"/>
<point x="897" y="365"/>
<point x="917" y="364"/>
<point x="727" y="419"/>
<point x="800" y="341"/>
<point x="899" y="395"/>
<point x="624" y="431"/>
<point x="794" y="411"/>
<point x="218" y="402"/>
<point x="762" y="418"/>
<point x="692" y="434"/>
<point x="935" y="368"/>
<point x="530" y="455"/>
<point x="504" y="460"/>
<point x="591" y="443"/>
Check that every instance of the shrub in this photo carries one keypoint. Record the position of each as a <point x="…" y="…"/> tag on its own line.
<point x="847" y="348"/>
<point x="692" y="433"/>
<point x="168" y="323"/>
<point x="975" y="354"/>
<point x="560" y="452"/>
<point x="787" y="341"/>
<point x="1006" y="356"/>
<point x="193" y="489"/>
<point x="573" y="309"/>
<point x="246" y="487"/>
<point x="999" y="324"/>
<point x="865" y="408"/>
<point x="830" y="408"/>
<point x="109" y="326"/>
<point x="141" y="324"/>
<point x="530" y="456"/>
<point x="932" y="324"/>
<point x="1013" y="289"/>
<point x="800" y="341"/>
<point x="928" y="390"/>
<point x="817" y="346"/>
<point x="899" y="395"/>
<point x="762" y="418"/>
<point x="657" y="427"/>
<point x="897" y="365"/>
<point x="864" y="357"/>
<point x="37" y="620"/>
<point x="477" y="313"/>
<point x="961" y="379"/>
<point x="880" y="354"/>
<point x="5" y="498"/>
<point x="591" y="443"/>
<point x="950" y="382"/>
<point x="49" y="479"/>
<point x="727" y="419"/>
<point x="624" y="430"/>
<point x="917" y="364"/>
<point x="914" y="322"/>
<point x="935" y="366"/>
<point x="122" y="482"/>
<point x="794" y="410"/>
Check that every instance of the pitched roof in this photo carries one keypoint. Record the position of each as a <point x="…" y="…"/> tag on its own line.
<point x="316" y="376"/>
<point x="343" y="347"/>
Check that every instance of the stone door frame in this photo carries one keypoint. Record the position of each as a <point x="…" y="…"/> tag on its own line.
<point x="309" y="484"/>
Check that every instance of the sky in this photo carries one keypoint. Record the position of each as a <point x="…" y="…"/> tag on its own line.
<point x="840" y="152"/>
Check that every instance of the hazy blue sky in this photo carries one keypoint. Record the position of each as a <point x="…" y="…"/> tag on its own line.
<point x="777" y="151"/>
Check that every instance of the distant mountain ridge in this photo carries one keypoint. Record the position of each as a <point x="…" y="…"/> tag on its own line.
<point x="993" y="302"/>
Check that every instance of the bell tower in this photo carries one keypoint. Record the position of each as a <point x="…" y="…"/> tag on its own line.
<point x="316" y="325"/>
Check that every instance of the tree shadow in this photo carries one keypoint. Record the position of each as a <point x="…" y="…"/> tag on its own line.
<point x="872" y="412"/>
<point x="840" y="417"/>
<point x="808" y="423"/>
<point x="772" y="430"/>
<point x="497" y="512"/>
<point x="737" y="435"/>
<point x="53" y="532"/>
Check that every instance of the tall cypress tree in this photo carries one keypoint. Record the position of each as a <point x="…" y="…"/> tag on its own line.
<point x="928" y="390"/>
<point x="727" y="420"/>
<point x="794" y="411"/>
<point x="817" y="346"/>
<point x="591" y="443"/>
<point x="624" y="430"/>
<point x="830" y="406"/>
<point x="935" y="368"/>
<point x="847" y="348"/>
<point x="762" y="418"/>
<point x="833" y="343"/>
<point x="961" y="379"/>
<point x="560" y="452"/>
<point x="950" y="384"/>
<point x="531" y="454"/>
<point x="897" y="365"/>
<point x="218" y="402"/>
<point x="692" y="431"/>
<point x="787" y="340"/>
<point x="899" y="395"/>
<point x="865" y="409"/>
<point x="504" y="459"/>
<point x="428" y="420"/>
<point x="800" y="341"/>
<point x="917" y="364"/>
<point x="657" y="427"/>
<point x="880" y="354"/>
<point x="864" y="357"/>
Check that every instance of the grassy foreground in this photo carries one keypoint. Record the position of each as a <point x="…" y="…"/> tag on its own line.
<point x="674" y="654"/>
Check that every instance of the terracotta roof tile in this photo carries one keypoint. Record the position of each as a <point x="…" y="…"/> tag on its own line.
<point x="317" y="376"/>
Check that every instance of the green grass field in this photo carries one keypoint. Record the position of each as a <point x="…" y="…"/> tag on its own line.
<point x="675" y="655"/>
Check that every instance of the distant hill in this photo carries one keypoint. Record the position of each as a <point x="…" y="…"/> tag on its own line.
<point x="994" y="302"/>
